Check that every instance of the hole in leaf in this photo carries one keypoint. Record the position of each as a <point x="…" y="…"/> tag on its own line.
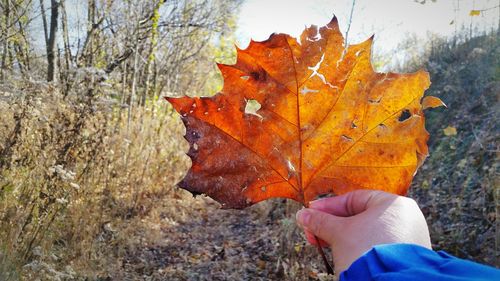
<point x="306" y="90"/>
<point x="405" y="114"/>
<point x="291" y="167"/>
<point x="252" y="107"/>
<point x="347" y="138"/>
<point x="258" y="75"/>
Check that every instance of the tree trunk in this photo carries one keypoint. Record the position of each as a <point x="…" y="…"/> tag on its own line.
<point x="6" y="41"/>
<point x="67" y="51"/>
<point x="64" y="22"/>
<point x="25" y="49"/>
<point x="155" y="17"/>
<point x="44" y="22"/>
<point x="51" y="42"/>
<point x="89" y="56"/>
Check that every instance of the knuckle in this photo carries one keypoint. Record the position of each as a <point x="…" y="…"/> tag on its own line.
<point x="410" y="202"/>
<point x="409" y="205"/>
<point x="380" y="196"/>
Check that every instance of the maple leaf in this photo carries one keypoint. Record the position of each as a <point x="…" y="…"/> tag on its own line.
<point x="324" y="123"/>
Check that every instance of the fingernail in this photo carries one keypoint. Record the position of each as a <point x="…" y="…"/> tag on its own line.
<point x="303" y="217"/>
<point x="315" y="202"/>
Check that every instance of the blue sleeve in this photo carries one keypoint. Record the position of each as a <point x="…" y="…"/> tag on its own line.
<point x="411" y="262"/>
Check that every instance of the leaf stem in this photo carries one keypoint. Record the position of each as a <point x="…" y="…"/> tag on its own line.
<point x="329" y="268"/>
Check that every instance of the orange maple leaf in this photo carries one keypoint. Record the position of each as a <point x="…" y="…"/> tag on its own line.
<point x="327" y="123"/>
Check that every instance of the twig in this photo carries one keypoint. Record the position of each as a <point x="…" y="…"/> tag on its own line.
<point x="349" y="23"/>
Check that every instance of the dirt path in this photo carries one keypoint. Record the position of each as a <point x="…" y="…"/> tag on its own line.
<point x="208" y="244"/>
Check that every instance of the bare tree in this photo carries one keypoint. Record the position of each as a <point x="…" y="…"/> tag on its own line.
<point x="15" y="51"/>
<point x="50" y="36"/>
<point x="172" y="37"/>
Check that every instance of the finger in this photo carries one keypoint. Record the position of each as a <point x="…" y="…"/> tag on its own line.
<point x="348" y="204"/>
<point x="319" y="223"/>
<point x="312" y="239"/>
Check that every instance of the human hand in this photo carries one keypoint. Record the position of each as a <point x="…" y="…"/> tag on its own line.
<point x="351" y="224"/>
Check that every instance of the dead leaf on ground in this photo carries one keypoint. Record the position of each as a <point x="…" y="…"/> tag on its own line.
<point x="450" y="131"/>
<point x="473" y="13"/>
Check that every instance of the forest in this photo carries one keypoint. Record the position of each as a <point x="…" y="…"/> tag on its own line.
<point x="91" y="152"/>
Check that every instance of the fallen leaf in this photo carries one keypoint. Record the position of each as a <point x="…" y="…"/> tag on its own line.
<point x="491" y="216"/>
<point x="261" y="264"/>
<point x="325" y="123"/>
<point x="450" y="131"/>
<point x="462" y="163"/>
<point x="473" y="13"/>
<point x="313" y="275"/>
<point x="425" y="184"/>
<point x="298" y="247"/>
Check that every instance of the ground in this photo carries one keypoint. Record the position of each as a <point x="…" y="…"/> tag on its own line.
<point x="201" y="241"/>
<point x="205" y="246"/>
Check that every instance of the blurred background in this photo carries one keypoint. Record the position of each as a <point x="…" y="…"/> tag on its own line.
<point x="90" y="152"/>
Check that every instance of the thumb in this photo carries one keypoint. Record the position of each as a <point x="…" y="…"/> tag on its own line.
<point x="351" y="203"/>
<point x="319" y="223"/>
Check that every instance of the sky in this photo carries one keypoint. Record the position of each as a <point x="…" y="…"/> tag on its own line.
<point x="392" y="21"/>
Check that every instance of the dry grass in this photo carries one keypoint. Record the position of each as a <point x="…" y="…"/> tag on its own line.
<point x="76" y="176"/>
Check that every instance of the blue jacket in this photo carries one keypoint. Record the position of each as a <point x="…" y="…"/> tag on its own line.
<point x="411" y="262"/>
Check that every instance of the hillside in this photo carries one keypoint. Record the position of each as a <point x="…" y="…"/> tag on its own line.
<point x="457" y="187"/>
